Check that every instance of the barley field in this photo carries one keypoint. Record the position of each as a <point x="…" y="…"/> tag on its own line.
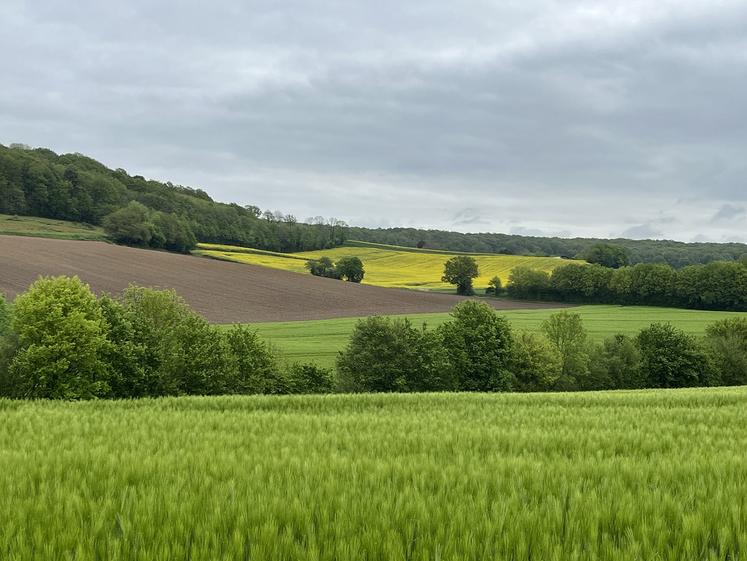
<point x="649" y="475"/>
<point x="389" y="266"/>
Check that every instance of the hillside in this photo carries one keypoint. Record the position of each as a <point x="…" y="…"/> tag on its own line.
<point x="677" y="254"/>
<point x="222" y="292"/>
<point x="48" y="228"/>
<point x="389" y="266"/>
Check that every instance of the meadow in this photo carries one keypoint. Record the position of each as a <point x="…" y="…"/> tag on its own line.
<point x="388" y="266"/>
<point x="48" y="228"/>
<point x="596" y="476"/>
<point x="320" y="340"/>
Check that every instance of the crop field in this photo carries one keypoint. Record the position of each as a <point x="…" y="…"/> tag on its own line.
<point x="389" y="266"/>
<point x="48" y="228"/>
<point x="319" y="341"/>
<point x="597" y="476"/>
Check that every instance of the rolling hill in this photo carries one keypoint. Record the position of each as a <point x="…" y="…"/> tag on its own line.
<point x="386" y="265"/>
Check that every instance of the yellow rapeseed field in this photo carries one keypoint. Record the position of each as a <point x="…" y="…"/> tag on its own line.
<point x="390" y="266"/>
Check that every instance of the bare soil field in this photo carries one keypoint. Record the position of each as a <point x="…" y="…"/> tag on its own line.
<point x="221" y="291"/>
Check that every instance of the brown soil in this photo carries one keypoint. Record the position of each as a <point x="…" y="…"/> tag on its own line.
<point x="222" y="292"/>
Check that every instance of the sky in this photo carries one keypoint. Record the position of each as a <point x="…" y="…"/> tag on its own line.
<point x="571" y="118"/>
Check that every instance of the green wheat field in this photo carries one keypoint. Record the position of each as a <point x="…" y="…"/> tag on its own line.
<point x="649" y="475"/>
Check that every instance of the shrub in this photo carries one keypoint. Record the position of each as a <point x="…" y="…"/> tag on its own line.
<point x="4" y="315"/>
<point x="528" y="283"/>
<point x="478" y="345"/>
<point x="726" y="342"/>
<point x="390" y="355"/>
<point x="174" y="233"/>
<point x="322" y="267"/>
<point x="61" y="341"/>
<point x="607" y="255"/>
<point x="460" y="271"/>
<point x="670" y="358"/>
<point x="495" y="287"/>
<point x="615" y="364"/>
<point x="535" y="363"/>
<point x="255" y="368"/>
<point x="129" y="225"/>
<point x="309" y="378"/>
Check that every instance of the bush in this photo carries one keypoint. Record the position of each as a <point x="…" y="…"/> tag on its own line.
<point x="671" y="359"/>
<point x="565" y="331"/>
<point x="309" y="378"/>
<point x="460" y="271"/>
<point x="615" y="364"/>
<point x="607" y="255"/>
<point x="173" y="233"/>
<point x="525" y="282"/>
<point x="255" y="367"/>
<point x="4" y="315"/>
<point x="61" y="341"/>
<point x="390" y="355"/>
<point x="350" y="269"/>
<point x="322" y="267"/>
<point x="535" y="363"/>
<point x="495" y="287"/>
<point x="130" y="225"/>
<point x="478" y="345"/>
<point x="726" y="342"/>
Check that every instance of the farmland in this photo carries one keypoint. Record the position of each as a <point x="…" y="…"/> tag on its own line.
<point x="388" y="266"/>
<point x="319" y="341"/>
<point x="597" y="476"/>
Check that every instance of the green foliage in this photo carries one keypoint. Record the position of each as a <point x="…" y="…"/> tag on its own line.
<point x="615" y="364"/>
<point x="671" y="358"/>
<point x="390" y="355"/>
<point x="478" y="343"/>
<point x="322" y="267"/>
<point x="528" y="283"/>
<point x="535" y="363"/>
<point x="461" y="270"/>
<point x="350" y="269"/>
<point x="4" y="315"/>
<point x="495" y="287"/>
<point x="726" y="342"/>
<point x="608" y="255"/>
<point x="61" y="342"/>
<point x="309" y="379"/>
<point x="565" y="331"/>
<point x="676" y="254"/>
<point x="73" y="187"/>
<point x="255" y="367"/>
<point x="130" y="225"/>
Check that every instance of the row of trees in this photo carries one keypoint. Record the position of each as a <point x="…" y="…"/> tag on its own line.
<point x="478" y="351"/>
<point x="59" y="341"/>
<point x="676" y="254"/>
<point x="38" y="182"/>
<point x="715" y="286"/>
<point x="347" y="268"/>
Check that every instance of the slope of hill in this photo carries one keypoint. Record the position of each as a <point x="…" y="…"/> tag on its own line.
<point x="389" y="266"/>
<point x="49" y="228"/>
<point x="677" y="254"/>
<point x="222" y="292"/>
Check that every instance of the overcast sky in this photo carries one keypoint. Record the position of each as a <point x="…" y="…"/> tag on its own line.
<point x="601" y="118"/>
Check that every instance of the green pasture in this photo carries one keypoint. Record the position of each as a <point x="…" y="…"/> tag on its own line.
<point x="48" y="228"/>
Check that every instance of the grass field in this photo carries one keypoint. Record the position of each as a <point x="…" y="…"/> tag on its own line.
<point x="48" y="228"/>
<point x="389" y="266"/>
<point x="650" y="475"/>
<point x="319" y="341"/>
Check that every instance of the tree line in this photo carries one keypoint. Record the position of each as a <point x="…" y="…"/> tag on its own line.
<point x="477" y="350"/>
<point x="673" y="253"/>
<point x="60" y="341"/>
<point x="721" y="285"/>
<point x="38" y="182"/>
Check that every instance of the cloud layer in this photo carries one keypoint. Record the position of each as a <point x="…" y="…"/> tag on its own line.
<point x="570" y="118"/>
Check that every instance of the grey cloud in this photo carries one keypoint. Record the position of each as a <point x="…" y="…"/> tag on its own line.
<point x="323" y="107"/>
<point x="642" y="232"/>
<point x="729" y="212"/>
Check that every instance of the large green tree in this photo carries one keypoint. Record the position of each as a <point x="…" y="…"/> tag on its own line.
<point x="461" y="270"/>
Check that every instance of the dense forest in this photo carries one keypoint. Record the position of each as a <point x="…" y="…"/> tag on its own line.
<point x="38" y="182"/>
<point x="676" y="254"/>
